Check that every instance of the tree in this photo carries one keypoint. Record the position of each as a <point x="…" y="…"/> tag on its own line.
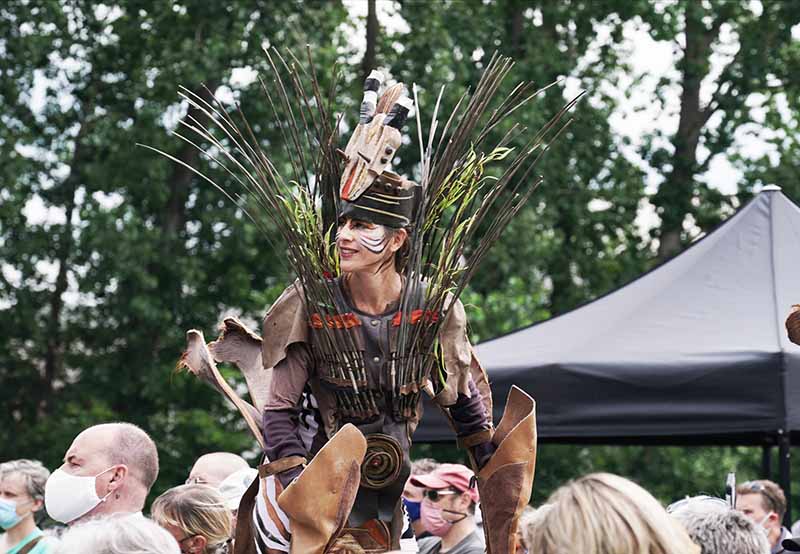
<point x="100" y="298"/>
<point x="753" y="35"/>
<point x="577" y="239"/>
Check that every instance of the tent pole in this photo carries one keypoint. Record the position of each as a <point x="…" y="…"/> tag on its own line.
<point x="766" y="461"/>
<point x="784" y="453"/>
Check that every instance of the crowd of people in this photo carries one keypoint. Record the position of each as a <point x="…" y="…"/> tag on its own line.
<point x="99" y="495"/>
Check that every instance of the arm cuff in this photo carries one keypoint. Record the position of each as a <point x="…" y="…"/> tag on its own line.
<point x="278" y="466"/>
<point x="468" y="441"/>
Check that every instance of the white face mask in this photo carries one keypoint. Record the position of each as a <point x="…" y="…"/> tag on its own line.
<point x="68" y="497"/>
<point x="763" y="521"/>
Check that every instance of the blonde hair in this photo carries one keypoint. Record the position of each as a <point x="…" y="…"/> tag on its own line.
<point x="605" y="513"/>
<point x="196" y="510"/>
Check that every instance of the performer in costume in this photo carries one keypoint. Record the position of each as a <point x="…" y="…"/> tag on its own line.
<point x="373" y="229"/>
<point x="349" y="348"/>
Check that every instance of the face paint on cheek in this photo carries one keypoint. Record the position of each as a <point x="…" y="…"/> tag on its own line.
<point x="375" y="240"/>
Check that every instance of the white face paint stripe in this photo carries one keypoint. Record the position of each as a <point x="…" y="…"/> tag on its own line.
<point x="375" y="240"/>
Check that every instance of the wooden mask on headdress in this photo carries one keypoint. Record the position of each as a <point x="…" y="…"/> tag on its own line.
<point x="368" y="157"/>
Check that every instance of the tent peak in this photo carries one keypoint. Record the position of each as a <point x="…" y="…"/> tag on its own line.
<point x="771" y="188"/>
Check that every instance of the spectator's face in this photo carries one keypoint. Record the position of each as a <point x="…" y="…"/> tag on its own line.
<point x="12" y="488"/>
<point x="752" y="505"/>
<point x="88" y="456"/>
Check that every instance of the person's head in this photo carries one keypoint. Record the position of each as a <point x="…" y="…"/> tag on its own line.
<point x="235" y="485"/>
<point x="233" y="488"/>
<point x="107" y="469"/>
<point x="196" y="516"/>
<point x="211" y="469"/>
<point x="21" y="491"/>
<point x="412" y="494"/>
<point x="367" y="246"/>
<point x="717" y="528"/>
<point x="449" y="498"/>
<point x="117" y="534"/>
<point x="601" y="512"/>
<point x="764" y="503"/>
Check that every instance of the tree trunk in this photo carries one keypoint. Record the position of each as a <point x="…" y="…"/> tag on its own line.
<point x="181" y="179"/>
<point x="369" y="62"/>
<point x="515" y="19"/>
<point x="674" y="197"/>
<point x="54" y="349"/>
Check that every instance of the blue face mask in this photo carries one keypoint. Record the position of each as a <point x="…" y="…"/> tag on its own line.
<point x="413" y="509"/>
<point x="8" y="514"/>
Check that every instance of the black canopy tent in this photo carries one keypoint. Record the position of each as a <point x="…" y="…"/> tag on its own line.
<point x="693" y="352"/>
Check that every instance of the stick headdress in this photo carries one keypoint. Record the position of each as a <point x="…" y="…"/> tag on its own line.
<point x="457" y="211"/>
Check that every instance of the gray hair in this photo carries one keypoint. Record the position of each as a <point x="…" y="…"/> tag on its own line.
<point x="118" y="534"/>
<point x="718" y="529"/>
<point x="33" y="473"/>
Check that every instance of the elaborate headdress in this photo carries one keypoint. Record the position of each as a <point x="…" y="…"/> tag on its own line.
<point x="456" y="211"/>
<point x="368" y="189"/>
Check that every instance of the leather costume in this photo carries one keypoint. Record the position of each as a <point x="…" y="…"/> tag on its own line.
<point x="386" y="415"/>
<point x="336" y="394"/>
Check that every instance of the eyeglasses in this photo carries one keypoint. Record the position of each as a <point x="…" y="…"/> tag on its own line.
<point x="196" y="481"/>
<point x="435" y="496"/>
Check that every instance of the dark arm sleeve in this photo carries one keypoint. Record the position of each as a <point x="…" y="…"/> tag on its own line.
<point x="282" y="409"/>
<point x="468" y="413"/>
<point x="469" y="417"/>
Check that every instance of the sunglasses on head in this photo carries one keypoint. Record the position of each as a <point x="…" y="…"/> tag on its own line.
<point x="436" y="495"/>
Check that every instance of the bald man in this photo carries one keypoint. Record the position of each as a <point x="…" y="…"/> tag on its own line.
<point x="108" y="469"/>
<point x="212" y="469"/>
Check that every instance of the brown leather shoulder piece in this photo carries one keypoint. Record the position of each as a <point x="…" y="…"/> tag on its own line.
<point x="331" y="480"/>
<point x="240" y="346"/>
<point x="197" y="359"/>
<point x="506" y="481"/>
<point x="456" y="351"/>
<point x="286" y="323"/>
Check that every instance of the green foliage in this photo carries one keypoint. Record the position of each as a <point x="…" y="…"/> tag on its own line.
<point x="95" y="298"/>
<point x="668" y="472"/>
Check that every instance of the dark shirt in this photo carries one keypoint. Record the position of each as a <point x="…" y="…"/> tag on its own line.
<point x="471" y="544"/>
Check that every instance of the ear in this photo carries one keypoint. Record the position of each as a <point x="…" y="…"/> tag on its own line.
<point x="197" y="543"/>
<point x="399" y="237"/>
<point x="118" y="477"/>
<point x="464" y="500"/>
<point x="38" y="504"/>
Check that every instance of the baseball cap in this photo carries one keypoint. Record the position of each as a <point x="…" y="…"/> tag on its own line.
<point x="235" y="485"/>
<point x="447" y="476"/>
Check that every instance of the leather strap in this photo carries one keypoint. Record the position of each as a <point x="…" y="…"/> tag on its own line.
<point x="28" y="547"/>
<point x="468" y="441"/>
<point x="279" y="466"/>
